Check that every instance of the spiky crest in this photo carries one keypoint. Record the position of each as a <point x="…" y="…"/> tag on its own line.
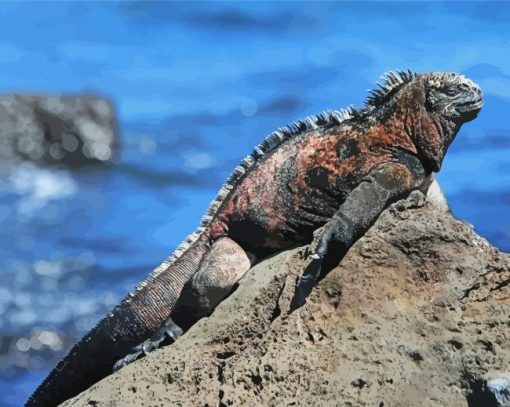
<point x="392" y="81"/>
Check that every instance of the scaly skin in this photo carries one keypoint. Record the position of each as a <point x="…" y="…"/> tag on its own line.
<point x="337" y="171"/>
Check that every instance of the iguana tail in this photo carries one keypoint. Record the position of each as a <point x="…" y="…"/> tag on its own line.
<point x="132" y="321"/>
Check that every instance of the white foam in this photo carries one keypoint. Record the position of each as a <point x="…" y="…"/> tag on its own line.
<point x="38" y="186"/>
<point x="199" y="161"/>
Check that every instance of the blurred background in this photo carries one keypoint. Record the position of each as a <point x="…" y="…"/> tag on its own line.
<point x="131" y="115"/>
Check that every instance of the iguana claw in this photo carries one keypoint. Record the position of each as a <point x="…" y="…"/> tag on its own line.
<point x="306" y="283"/>
<point x="169" y="331"/>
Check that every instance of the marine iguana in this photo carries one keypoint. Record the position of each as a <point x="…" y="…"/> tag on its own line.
<point x="337" y="170"/>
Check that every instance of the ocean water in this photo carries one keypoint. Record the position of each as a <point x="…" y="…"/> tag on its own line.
<point x="196" y="86"/>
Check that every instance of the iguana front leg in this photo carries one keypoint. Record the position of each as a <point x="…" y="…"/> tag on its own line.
<point x="359" y="211"/>
<point x="224" y="264"/>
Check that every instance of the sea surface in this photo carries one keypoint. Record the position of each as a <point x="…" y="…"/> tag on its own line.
<point x="196" y="86"/>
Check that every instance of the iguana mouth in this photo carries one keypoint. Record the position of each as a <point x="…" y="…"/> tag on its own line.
<point x="471" y="105"/>
<point x="469" y="110"/>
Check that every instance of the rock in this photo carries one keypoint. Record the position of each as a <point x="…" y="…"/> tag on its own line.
<point x="72" y="130"/>
<point x="416" y="314"/>
<point x="436" y="197"/>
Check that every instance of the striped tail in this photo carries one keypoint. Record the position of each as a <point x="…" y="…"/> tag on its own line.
<point x="136" y="318"/>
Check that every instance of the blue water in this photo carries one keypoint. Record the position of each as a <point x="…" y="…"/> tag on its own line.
<point x="196" y="86"/>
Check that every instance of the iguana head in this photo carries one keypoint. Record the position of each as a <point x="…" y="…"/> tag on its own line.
<point x="432" y="106"/>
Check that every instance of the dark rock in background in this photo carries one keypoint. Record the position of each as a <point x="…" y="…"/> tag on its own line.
<point x="416" y="314"/>
<point x="71" y="130"/>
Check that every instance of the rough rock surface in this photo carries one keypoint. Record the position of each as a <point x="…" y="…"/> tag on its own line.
<point x="417" y="313"/>
<point x="72" y="130"/>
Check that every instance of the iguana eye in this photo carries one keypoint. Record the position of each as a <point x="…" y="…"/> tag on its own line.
<point x="450" y="92"/>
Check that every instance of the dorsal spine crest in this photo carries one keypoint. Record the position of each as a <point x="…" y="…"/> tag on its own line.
<point x="391" y="82"/>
